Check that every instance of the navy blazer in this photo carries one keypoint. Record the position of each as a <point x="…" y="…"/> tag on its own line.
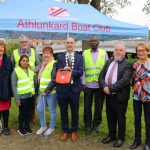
<point x="76" y="73"/>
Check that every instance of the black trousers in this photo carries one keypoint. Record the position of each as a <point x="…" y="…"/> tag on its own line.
<point x="24" y="112"/>
<point x="88" y="100"/>
<point x="137" y="105"/>
<point x="72" y="99"/>
<point x="5" y="114"/>
<point x="116" y="114"/>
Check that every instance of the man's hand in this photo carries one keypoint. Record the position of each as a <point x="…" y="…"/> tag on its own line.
<point x="106" y="90"/>
<point x="43" y="94"/>
<point x="67" y="67"/>
<point x="84" y="88"/>
<point x="18" y="104"/>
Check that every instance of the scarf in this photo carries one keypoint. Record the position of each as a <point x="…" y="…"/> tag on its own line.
<point x="44" y="64"/>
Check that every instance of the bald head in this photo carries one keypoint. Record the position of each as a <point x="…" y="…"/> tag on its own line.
<point x="70" y="44"/>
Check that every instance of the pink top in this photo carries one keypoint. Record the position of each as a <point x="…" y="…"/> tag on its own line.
<point x="0" y="62"/>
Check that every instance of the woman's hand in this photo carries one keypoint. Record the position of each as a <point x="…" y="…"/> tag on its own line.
<point x="43" y="94"/>
<point x="18" y="104"/>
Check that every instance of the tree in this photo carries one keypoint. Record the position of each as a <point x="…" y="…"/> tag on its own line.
<point x="146" y="7"/>
<point x="107" y="7"/>
<point x="11" y="44"/>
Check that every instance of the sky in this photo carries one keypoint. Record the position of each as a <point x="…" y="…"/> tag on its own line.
<point x="133" y="14"/>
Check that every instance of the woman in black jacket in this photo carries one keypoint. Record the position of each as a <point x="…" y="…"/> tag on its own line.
<point x="6" y="69"/>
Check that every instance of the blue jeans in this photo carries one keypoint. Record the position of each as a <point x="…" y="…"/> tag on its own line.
<point x="24" y="112"/>
<point x="51" y="102"/>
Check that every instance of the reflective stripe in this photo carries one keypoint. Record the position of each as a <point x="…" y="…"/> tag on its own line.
<point x="42" y="86"/>
<point x="91" y="75"/>
<point x="91" y="68"/>
<point x="96" y="74"/>
<point x="32" y="64"/>
<point x="98" y="68"/>
<point x="24" y="88"/>
<point x="24" y="80"/>
<point x="44" y="79"/>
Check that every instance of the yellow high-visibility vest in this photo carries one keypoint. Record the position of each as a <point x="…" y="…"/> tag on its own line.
<point x="45" y="78"/>
<point x="92" y="71"/>
<point x="25" y="83"/>
<point x="31" y="58"/>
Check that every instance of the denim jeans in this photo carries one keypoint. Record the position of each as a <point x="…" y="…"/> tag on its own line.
<point x="51" y="102"/>
<point x="24" y="112"/>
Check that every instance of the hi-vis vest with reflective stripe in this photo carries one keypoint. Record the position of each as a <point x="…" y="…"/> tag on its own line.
<point x="46" y="77"/>
<point x="92" y="71"/>
<point x="31" y="58"/>
<point x="25" y="83"/>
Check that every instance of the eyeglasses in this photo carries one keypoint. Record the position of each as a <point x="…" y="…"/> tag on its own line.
<point x="141" y="51"/>
<point x="24" y="42"/>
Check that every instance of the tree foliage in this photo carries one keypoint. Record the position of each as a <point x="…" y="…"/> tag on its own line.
<point x="11" y="44"/>
<point x="107" y="7"/>
<point x="146" y="7"/>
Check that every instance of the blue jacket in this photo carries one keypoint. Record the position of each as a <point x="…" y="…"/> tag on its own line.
<point x="76" y="73"/>
<point x="5" y="78"/>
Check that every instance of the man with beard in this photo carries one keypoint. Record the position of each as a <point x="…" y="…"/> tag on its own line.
<point x="94" y="60"/>
<point x="115" y="79"/>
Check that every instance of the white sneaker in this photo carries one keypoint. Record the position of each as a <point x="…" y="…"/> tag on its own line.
<point x="41" y="130"/>
<point x="49" y="131"/>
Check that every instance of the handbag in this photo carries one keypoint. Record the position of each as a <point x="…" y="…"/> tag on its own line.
<point x="63" y="76"/>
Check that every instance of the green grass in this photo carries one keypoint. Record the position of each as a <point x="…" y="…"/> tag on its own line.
<point x="13" y="120"/>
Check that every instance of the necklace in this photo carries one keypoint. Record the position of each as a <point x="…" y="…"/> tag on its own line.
<point x="72" y="64"/>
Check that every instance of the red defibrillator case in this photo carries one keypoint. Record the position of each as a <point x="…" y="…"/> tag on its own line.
<point x="63" y="76"/>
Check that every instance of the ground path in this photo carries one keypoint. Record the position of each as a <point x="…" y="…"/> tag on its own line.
<point x="38" y="142"/>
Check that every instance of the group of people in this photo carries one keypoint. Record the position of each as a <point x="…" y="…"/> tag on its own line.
<point x="24" y="78"/>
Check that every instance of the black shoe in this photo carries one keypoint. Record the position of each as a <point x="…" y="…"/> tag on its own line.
<point x="88" y="130"/>
<point x="6" y="131"/>
<point x="22" y="132"/>
<point x="97" y="130"/>
<point x="108" y="140"/>
<point x="146" y="147"/>
<point x="118" y="143"/>
<point x="28" y="130"/>
<point x="135" y="145"/>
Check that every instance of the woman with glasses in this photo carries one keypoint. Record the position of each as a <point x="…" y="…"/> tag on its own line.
<point x="141" y="94"/>
<point x="6" y="68"/>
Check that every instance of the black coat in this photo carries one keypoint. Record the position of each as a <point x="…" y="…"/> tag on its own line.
<point x="122" y="86"/>
<point x="5" y="78"/>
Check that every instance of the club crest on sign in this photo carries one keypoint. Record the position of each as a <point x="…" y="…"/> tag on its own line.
<point x="57" y="11"/>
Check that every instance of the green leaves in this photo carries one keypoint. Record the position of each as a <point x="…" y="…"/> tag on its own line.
<point x="146" y="7"/>
<point x="107" y="7"/>
<point x="11" y="44"/>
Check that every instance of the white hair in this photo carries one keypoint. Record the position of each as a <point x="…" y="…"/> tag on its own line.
<point x="23" y="37"/>
<point x="120" y="44"/>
